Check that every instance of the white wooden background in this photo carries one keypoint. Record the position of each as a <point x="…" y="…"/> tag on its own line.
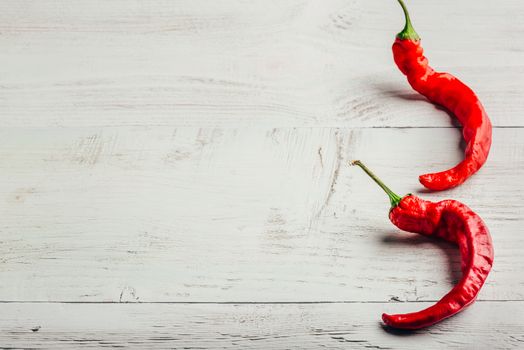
<point x="174" y="173"/>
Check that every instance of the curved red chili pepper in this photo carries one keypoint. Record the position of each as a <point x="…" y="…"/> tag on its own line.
<point x="446" y="90"/>
<point x="454" y="222"/>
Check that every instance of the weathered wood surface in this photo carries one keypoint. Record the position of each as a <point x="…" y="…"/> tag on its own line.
<point x="163" y="214"/>
<point x="248" y="63"/>
<point x="196" y="151"/>
<point x="228" y="326"/>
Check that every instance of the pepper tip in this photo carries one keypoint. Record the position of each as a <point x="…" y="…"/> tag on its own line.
<point x="386" y="319"/>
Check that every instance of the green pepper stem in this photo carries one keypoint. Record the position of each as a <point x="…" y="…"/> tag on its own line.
<point x="393" y="197"/>
<point x="408" y="33"/>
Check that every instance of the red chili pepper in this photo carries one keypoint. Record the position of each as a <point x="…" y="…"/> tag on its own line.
<point x="454" y="222"/>
<point x="446" y="90"/>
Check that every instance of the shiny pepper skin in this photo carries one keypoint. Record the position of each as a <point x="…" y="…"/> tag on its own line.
<point x="446" y="90"/>
<point x="456" y="223"/>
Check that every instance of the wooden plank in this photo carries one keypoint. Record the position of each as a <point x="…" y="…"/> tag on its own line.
<point x="188" y="214"/>
<point x="192" y="151"/>
<point x="485" y="325"/>
<point x="257" y="63"/>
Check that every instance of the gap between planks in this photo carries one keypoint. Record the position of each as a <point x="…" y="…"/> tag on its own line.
<point x="227" y="127"/>
<point x="249" y="302"/>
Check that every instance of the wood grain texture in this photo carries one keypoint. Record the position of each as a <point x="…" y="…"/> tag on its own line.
<point x="195" y="151"/>
<point x="247" y="63"/>
<point x="313" y="326"/>
<point x="186" y="214"/>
